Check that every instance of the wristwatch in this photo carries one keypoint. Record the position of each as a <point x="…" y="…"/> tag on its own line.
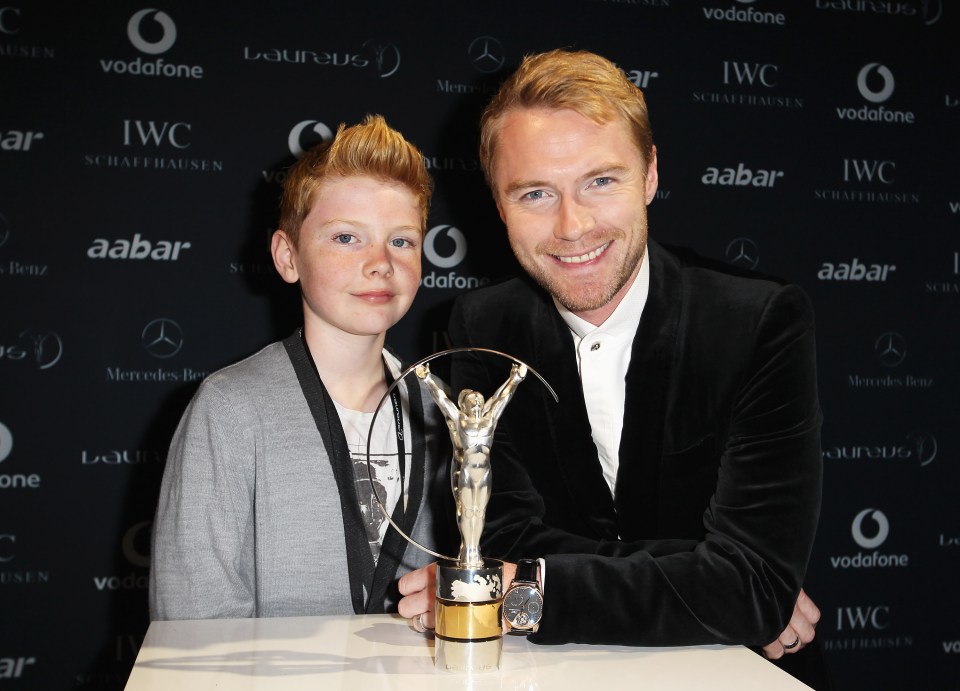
<point x="523" y="601"/>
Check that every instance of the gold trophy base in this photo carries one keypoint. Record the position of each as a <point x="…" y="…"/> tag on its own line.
<point x="469" y="656"/>
<point x="469" y="636"/>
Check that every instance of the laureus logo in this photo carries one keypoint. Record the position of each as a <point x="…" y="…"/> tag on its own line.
<point x="167" y="38"/>
<point x="386" y="57"/>
<point x="46" y="346"/>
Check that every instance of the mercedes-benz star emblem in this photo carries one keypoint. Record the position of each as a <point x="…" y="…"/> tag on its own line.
<point x="743" y="252"/>
<point x="891" y="349"/>
<point x="162" y="338"/>
<point x="486" y="54"/>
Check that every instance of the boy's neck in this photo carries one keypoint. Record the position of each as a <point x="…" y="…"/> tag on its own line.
<point x="351" y="367"/>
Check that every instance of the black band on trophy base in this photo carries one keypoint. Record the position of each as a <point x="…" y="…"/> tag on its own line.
<point x="468" y="630"/>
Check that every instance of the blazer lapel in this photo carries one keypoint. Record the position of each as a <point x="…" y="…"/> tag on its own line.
<point x="645" y="406"/>
<point x="573" y="447"/>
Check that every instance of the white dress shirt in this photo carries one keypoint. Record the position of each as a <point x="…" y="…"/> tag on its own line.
<point x="603" y="356"/>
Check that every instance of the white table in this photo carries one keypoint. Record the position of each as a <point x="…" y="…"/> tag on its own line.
<point x="383" y="652"/>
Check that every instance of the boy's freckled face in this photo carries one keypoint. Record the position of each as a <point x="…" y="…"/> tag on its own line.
<point x="358" y="255"/>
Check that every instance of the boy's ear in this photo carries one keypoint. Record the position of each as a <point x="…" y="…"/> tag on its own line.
<point x="283" y="252"/>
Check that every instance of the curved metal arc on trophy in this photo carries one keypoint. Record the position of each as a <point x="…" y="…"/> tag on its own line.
<point x="471" y="422"/>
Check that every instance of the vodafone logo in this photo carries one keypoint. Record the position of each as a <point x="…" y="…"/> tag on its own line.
<point x="295" y="140"/>
<point x="163" y="44"/>
<point x="885" y="92"/>
<point x="459" y="247"/>
<point x="880" y="533"/>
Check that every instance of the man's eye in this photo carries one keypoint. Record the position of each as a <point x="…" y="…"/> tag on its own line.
<point x="535" y="194"/>
<point x="602" y="182"/>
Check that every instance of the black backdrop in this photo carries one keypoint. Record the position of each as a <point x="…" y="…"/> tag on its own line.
<point x="140" y="152"/>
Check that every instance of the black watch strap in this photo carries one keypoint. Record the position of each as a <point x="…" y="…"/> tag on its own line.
<point x="526" y="570"/>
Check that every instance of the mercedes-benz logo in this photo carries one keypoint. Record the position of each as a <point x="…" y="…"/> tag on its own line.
<point x="162" y="338"/>
<point x="743" y="252"/>
<point x="891" y="349"/>
<point x="486" y="54"/>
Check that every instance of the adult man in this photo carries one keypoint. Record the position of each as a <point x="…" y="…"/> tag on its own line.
<point x="674" y="492"/>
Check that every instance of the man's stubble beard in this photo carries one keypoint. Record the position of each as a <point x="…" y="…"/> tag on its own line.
<point x="585" y="297"/>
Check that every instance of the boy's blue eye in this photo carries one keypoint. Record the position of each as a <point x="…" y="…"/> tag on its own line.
<point x="344" y="238"/>
<point x="399" y="242"/>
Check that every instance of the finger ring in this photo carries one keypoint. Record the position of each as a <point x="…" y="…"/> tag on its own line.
<point x="792" y="645"/>
<point x="418" y="624"/>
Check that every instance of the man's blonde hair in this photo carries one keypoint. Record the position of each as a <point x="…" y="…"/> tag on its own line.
<point x="580" y="81"/>
<point x="371" y="149"/>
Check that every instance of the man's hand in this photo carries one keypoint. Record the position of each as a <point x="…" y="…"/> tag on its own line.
<point x="799" y="632"/>
<point x="419" y="601"/>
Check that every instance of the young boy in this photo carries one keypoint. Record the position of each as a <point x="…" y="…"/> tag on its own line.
<point x="266" y="507"/>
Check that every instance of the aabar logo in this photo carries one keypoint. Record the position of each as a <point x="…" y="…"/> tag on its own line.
<point x="19" y="140"/>
<point x="137" y="248"/>
<point x="13" y="667"/>
<point x="741" y="176"/>
<point x="855" y="270"/>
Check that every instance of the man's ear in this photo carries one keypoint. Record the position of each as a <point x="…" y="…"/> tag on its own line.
<point x="284" y="254"/>
<point x="652" y="178"/>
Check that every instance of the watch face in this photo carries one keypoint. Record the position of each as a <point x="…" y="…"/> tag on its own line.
<point x="522" y="607"/>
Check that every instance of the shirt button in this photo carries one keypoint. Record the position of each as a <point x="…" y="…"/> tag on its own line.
<point x="595" y="346"/>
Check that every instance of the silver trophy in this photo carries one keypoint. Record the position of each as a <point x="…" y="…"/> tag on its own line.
<point x="469" y="633"/>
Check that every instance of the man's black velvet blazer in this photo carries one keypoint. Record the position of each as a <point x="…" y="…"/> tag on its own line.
<point x="718" y="490"/>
